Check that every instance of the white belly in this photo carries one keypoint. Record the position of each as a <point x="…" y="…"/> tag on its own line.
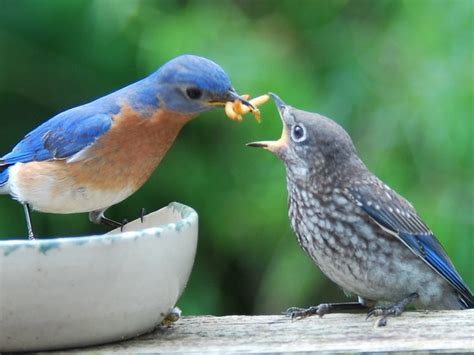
<point x="52" y="195"/>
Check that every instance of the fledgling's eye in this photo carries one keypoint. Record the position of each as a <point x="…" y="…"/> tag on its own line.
<point x="298" y="133"/>
<point x="194" y="93"/>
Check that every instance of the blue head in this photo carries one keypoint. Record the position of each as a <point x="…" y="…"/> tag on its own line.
<point x="192" y="84"/>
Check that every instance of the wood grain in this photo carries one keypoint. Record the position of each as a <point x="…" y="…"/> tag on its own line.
<point x="414" y="331"/>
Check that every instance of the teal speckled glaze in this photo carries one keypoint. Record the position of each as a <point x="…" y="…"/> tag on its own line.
<point x="8" y="249"/>
<point x="45" y="246"/>
<point x="51" y="244"/>
<point x="180" y="225"/>
<point x="184" y="210"/>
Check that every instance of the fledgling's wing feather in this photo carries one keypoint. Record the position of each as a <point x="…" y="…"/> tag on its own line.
<point x="59" y="138"/>
<point x="397" y="216"/>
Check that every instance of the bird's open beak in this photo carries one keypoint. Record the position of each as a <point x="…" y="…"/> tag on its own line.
<point x="231" y="96"/>
<point x="274" y="146"/>
<point x="262" y="144"/>
<point x="278" y="102"/>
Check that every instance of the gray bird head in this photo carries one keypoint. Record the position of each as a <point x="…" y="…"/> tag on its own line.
<point x="310" y="144"/>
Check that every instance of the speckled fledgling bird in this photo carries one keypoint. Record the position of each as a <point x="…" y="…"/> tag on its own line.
<point x="363" y="235"/>
<point x="93" y="156"/>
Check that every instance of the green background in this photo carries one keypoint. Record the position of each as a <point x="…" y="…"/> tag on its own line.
<point x="398" y="75"/>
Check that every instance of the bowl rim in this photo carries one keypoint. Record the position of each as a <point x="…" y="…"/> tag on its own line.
<point x="188" y="216"/>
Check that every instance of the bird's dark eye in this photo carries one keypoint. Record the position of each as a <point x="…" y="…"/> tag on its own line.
<point x="298" y="133"/>
<point x="194" y="93"/>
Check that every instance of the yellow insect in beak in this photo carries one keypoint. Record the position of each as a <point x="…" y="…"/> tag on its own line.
<point x="238" y="108"/>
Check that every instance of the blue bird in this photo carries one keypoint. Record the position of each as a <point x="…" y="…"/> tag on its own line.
<point x="364" y="236"/>
<point x="93" y="156"/>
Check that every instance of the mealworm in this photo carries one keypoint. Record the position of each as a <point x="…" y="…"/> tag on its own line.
<point x="235" y="110"/>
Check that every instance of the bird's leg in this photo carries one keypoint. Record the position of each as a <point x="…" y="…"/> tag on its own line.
<point x="99" y="218"/>
<point x="392" y="310"/>
<point x="325" y="308"/>
<point x="31" y="234"/>
<point x="142" y="214"/>
<point x="124" y="222"/>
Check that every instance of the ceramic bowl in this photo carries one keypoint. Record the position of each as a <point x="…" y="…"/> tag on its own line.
<point x="74" y="292"/>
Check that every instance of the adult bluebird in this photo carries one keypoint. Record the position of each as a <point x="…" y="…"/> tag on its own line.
<point x="363" y="235"/>
<point x="93" y="156"/>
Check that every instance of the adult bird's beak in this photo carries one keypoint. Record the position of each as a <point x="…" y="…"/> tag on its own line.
<point x="230" y="96"/>
<point x="274" y="146"/>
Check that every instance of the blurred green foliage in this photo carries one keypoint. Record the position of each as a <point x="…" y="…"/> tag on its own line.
<point x="398" y="75"/>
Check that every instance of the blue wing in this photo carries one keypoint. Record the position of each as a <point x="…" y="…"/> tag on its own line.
<point x="398" y="216"/>
<point x="59" y="138"/>
<point x="74" y="130"/>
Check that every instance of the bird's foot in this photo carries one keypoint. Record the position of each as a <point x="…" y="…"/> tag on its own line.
<point x="172" y="317"/>
<point x="393" y="310"/>
<point x="142" y="214"/>
<point x="124" y="222"/>
<point x="112" y="223"/>
<point x="99" y="218"/>
<point x="325" y="308"/>
<point x="300" y="313"/>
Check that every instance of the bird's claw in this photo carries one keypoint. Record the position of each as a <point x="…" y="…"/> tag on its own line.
<point x="142" y="214"/>
<point x="294" y="312"/>
<point x="393" y="310"/>
<point x="384" y="313"/>
<point x="300" y="313"/>
<point x="124" y="222"/>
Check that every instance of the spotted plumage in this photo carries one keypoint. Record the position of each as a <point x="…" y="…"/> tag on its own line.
<point x="363" y="235"/>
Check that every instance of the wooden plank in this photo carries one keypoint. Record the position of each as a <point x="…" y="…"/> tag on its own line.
<point x="413" y="331"/>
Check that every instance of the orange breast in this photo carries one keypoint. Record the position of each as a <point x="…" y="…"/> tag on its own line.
<point x="123" y="159"/>
<point x="130" y="151"/>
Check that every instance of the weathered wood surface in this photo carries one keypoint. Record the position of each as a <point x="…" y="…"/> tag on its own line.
<point x="413" y="331"/>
